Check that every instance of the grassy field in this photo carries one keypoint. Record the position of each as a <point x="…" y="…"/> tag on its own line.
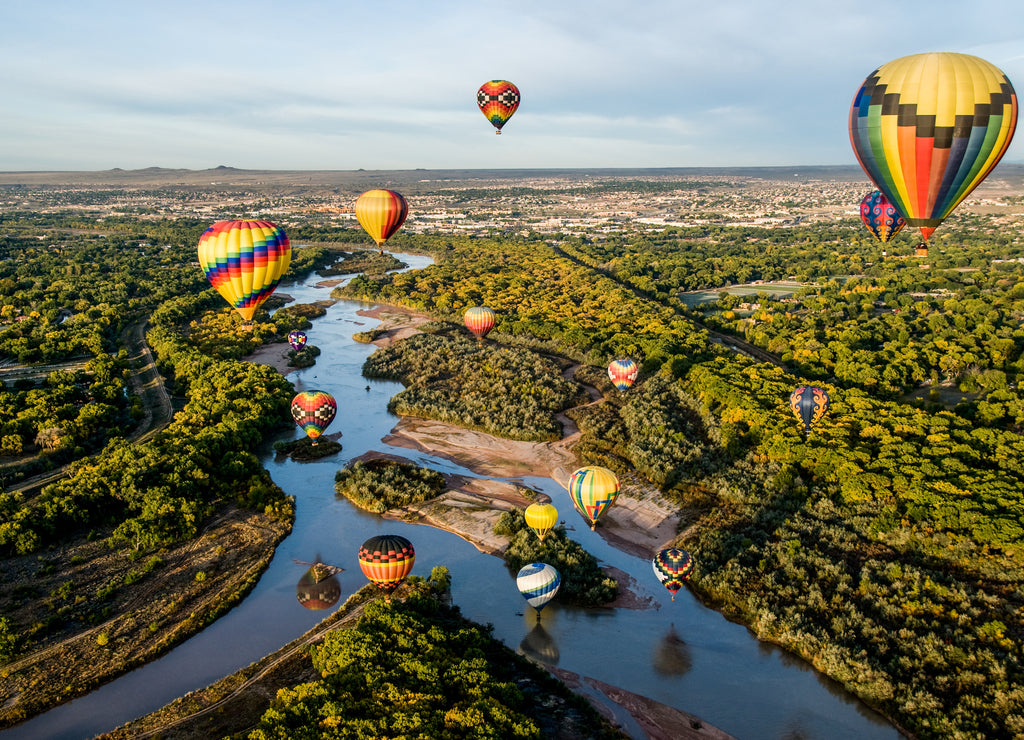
<point x="779" y="290"/>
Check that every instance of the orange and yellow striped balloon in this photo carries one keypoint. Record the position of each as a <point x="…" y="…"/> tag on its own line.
<point x="479" y="320"/>
<point x="386" y="560"/>
<point x="244" y="261"/>
<point x="381" y="213"/>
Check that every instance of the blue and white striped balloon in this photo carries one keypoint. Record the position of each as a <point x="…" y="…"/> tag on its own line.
<point x="538" y="583"/>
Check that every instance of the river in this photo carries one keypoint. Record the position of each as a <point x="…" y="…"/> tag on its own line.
<point x="679" y="653"/>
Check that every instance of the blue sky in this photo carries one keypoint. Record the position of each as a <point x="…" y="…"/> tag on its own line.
<point x="338" y="85"/>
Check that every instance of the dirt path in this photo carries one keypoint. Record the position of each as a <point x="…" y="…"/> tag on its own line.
<point x="261" y="684"/>
<point x="146" y="382"/>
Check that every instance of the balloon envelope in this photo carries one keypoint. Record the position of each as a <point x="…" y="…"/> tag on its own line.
<point x="623" y="373"/>
<point x="386" y="560"/>
<point x="880" y="216"/>
<point x="244" y="261"/>
<point x="928" y="128"/>
<point x="498" y="100"/>
<point x="297" y="339"/>
<point x="381" y="213"/>
<point x="313" y="411"/>
<point x="541" y="518"/>
<point x="809" y="404"/>
<point x="593" y="490"/>
<point x="479" y="320"/>
<point x="538" y="583"/>
<point x="672" y="566"/>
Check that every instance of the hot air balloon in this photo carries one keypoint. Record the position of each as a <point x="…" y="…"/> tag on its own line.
<point x="928" y="128"/>
<point x="882" y="219"/>
<point x="244" y="261"/>
<point x="593" y="490"/>
<point x="297" y="339"/>
<point x="479" y="320"/>
<point x="538" y="583"/>
<point x="809" y="404"/>
<point x="318" y="588"/>
<point x="498" y="100"/>
<point x="381" y="213"/>
<point x="313" y="411"/>
<point x="386" y="560"/>
<point x="672" y="567"/>
<point x="541" y="518"/>
<point x="623" y="373"/>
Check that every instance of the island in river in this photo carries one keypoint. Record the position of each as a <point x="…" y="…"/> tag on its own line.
<point x="641" y="522"/>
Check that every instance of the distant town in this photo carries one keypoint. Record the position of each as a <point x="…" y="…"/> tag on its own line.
<point x="487" y="202"/>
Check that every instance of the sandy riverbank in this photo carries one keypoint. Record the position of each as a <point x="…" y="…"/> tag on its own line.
<point x="641" y="522"/>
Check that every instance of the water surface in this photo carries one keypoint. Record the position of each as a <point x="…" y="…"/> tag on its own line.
<point x="679" y="653"/>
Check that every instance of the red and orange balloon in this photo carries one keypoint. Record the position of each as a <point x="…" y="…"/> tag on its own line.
<point x="498" y="100"/>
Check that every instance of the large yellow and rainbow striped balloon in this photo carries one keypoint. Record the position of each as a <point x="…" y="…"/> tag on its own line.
<point x="381" y="213"/>
<point x="928" y="128"/>
<point x="244" y="261"/>
<point x="593" y="490"/>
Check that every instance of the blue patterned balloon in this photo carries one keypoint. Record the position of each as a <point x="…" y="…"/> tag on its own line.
<point x="881" y="216"/>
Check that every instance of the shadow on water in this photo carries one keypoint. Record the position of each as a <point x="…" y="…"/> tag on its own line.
<point x="679" y="653"/>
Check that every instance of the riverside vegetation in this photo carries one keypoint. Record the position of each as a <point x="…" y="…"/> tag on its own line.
<point x="417" y="668"/>
<point x="884" y="548"/>
<point x="140" y="545"/>
<point x="383" y="485"/>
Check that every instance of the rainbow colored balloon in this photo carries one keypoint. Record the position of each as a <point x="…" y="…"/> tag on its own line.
<point x="672" y="567"/>
<point x="386" y="560"/>
<point x="381" y="213"/>
<point x="314" y="411"/>
<point x="809" y="404"/>
<point x="498" y="100"/>
<point x="881" y="218"/>
<point x="593" y="490"/>
<point x="297" y="339"/>
<point x="928" y="128"/>
<point x="623" y="373"/>
<point x="244" y="261"/>
<point x="479" y="320"/>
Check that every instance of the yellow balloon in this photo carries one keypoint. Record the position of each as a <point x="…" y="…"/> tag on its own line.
<point x="541" y="518"/>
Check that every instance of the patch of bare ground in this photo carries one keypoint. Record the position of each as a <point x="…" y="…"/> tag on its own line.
<point x="658" y="721"/>
<point x="109" y="613"/>
<point x="275" y="355"/>
<point x="395" y="323"/>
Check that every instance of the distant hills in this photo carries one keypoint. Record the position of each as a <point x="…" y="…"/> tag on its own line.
<point x="232" y="176"/>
